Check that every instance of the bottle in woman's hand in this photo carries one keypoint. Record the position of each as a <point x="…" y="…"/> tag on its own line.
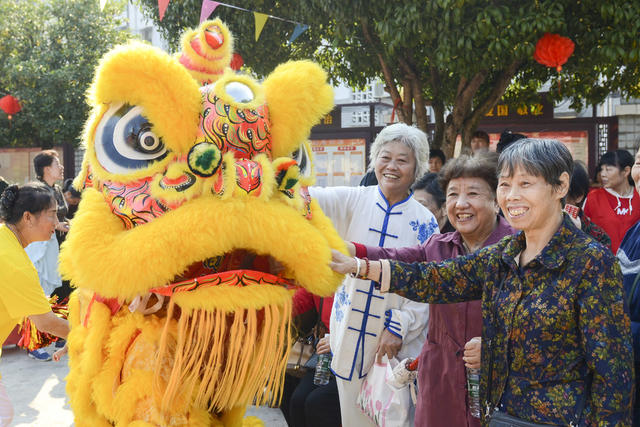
<point x="323" y="368"/>
<point x="473" y="388"/>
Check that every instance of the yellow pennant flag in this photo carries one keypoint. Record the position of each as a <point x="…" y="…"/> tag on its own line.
<point x="261" y="19"/>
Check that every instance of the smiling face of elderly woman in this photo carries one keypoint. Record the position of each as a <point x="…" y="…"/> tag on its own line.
<point x="398" y="157"/>
<point x="395" y="170"/>
<point x="471" y="199"/>
<point x="533" y="181"/>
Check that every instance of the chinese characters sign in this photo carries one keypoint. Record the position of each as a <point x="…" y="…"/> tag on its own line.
<point x="533" y="110"/>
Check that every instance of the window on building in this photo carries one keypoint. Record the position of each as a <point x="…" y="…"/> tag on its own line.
<point x="360" y="118"/>
<point x="147" y="34"/>
<point x="365" y="95"/>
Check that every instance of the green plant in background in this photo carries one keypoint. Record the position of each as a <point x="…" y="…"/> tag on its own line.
<point x="459" y="56"/>
<point x="48" y="54"/>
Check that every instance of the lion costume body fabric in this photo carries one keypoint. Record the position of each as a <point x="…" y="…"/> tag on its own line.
<point x="194" y="222"/>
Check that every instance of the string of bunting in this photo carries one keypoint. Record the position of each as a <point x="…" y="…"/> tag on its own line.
<point x="208" y="6"/>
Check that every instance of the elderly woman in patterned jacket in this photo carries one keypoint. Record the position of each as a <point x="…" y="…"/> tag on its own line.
<point x="556" y="336"/>
<point x="363" y="321"/>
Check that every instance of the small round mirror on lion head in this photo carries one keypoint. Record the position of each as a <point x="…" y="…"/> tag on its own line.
<point x="239" y="92"/>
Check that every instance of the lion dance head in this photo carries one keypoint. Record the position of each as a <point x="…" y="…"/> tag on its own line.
<point x="195" y="224"/>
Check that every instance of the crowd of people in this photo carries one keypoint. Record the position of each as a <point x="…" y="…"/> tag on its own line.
<point x="509" y="262"/>
<point x="520" y="277"/>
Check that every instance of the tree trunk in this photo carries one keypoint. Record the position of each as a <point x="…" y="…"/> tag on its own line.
<point x="438" y="112"/>
<point x="499" y="86"/>
<point x="389" y="80"/>
<point x="450" y="134"/>
<point x="422" y="120"/>
<point x="438" y="109"/>
<point x="407" y="101"/>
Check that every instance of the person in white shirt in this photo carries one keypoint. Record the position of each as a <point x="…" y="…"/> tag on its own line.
<point x="364" y="322"/>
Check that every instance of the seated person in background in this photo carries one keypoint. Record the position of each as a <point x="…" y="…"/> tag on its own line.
<point x="305" y="404"/>
<point x="428" y="192"/>
<point x="616" y="206"/>
<point x="437" y="159"/>
<point x="479" y="142"/>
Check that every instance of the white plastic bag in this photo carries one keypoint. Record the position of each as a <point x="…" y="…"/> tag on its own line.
<point x="384" y="404"/>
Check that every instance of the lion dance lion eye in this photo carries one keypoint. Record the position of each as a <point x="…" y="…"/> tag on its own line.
<point x="124" y="140"/>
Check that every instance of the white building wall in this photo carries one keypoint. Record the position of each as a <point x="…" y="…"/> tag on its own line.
<point x="139" y="25"/>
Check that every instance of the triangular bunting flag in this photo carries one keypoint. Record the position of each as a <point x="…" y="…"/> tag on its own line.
<point x="162" y="7"/>
<point x="300" y="28"/>
<point x="102" y="4"/>
<point x="261" y="19"/>
<point x="208" y="7"/>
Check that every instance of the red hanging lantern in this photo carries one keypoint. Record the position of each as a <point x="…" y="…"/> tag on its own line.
<point x="236" y="62"/>
<point x="553" y="50"/>
<point x="9" y="105"/>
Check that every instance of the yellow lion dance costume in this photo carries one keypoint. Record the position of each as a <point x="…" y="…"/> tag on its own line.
<point x="194" y="222"/>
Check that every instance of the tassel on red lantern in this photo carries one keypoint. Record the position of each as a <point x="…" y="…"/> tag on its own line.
<point x="553" y="50"/>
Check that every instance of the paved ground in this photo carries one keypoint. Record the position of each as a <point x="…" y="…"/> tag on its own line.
<point x="37" y="390"/>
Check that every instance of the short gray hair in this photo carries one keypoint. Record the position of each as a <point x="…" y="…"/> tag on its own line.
<point x="411" y="136"/>
<point x="547" y="158"/>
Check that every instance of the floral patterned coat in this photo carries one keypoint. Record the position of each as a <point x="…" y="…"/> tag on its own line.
<point x="547" y="327"/>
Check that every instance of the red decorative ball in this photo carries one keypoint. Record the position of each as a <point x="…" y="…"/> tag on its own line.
<point x="10" y="104"/>
<point x="236" y="62"/>
<point x="553" y="50"/>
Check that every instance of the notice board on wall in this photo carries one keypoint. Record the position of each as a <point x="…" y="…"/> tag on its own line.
<point x="577" y="141"/>
<point x="339" y="161"/>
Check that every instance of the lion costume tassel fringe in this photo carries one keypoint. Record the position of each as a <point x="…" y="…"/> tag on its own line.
<point x="223" y="358"/>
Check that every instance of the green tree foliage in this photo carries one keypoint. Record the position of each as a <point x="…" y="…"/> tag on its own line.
<point x="459" y="56"/>
<point x="48" y="54"/>
<point x="260" y="57"/>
